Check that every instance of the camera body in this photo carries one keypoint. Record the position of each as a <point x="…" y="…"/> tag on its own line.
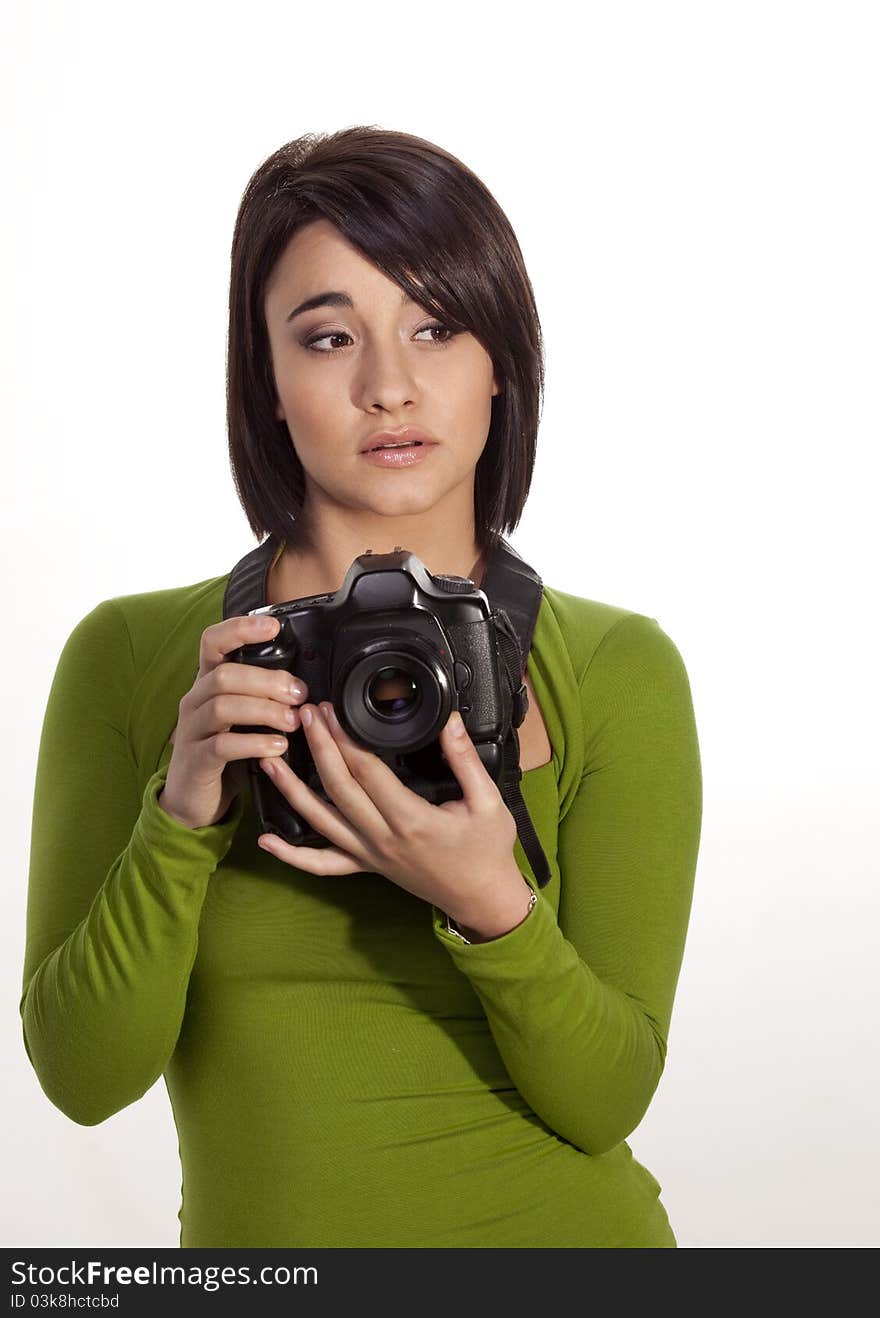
<point x="395" y="650"/>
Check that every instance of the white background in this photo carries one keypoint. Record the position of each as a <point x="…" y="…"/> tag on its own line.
<point x="695" y="190"/>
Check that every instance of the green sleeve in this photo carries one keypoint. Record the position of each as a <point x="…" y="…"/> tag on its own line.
<point x="580" y="1005"/>
<point x="115" y="891"/>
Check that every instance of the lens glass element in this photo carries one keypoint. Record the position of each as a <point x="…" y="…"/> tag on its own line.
<point x="392" y="692"/>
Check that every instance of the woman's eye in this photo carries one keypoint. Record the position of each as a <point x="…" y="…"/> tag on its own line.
<point x="310" y="343"/>
<point x="341" y="334"/>
<point x="429" y="329"/>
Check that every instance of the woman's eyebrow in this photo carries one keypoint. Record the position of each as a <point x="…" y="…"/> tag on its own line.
<point x="330" y="299"/>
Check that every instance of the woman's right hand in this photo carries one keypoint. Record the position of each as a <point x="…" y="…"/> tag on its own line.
<point x="202" y="781"/>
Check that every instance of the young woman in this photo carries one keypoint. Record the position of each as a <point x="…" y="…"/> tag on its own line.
<point x="399" y="1038"/>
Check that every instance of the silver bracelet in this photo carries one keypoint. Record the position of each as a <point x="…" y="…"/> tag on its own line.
<point x="452" y="927"/>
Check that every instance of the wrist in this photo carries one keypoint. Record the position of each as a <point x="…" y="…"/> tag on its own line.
<point x="499" y="919"/>
<point x="178" y="819"/>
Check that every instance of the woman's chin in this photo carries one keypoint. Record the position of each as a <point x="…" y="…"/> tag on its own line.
<point x="397" y="503"/>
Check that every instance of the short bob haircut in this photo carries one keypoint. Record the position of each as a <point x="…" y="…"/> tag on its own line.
<point x="432" y="226"/>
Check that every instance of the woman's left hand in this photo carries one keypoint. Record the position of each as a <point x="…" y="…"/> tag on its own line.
<point x="457" y="854"/>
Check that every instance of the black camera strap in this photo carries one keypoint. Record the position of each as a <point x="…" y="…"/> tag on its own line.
<point x="514" y="591"/>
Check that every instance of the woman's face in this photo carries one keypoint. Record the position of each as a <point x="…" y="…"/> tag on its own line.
<point x="342" y="373"/>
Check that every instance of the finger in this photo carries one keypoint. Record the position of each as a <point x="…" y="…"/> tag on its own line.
<point x="314" y="860"/>
<point x="324" y="818"/>
<point x="223" y="637"/>
<point x="222" y="712"/>
<point x="390" y="798"/>
<point x="280" y="689"/>
<point x="254" y="680"/>
<point x="351" y="776"/>
<point x="231" y="749"/>
<point x="477" y="786"/>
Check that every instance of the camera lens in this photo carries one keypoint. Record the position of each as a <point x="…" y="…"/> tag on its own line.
<point x="392" y="692"/>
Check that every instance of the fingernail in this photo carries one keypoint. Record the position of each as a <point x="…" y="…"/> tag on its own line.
<point x="456" y="724"/>
<point x="306" y="716"/>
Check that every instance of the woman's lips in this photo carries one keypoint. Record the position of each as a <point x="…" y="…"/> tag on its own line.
<point x="407" y="456"/>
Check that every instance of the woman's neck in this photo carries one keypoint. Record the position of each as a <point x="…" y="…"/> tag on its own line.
<point x="297" y="573"/>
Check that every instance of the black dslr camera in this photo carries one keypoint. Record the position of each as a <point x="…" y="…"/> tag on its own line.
<point x="394" y="650"/>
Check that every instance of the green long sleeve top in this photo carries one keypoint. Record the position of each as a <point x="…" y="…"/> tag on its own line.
<point x="342" y="1069"/>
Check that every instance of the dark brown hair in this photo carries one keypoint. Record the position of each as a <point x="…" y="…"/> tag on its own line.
<point x="426" y="220"/>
